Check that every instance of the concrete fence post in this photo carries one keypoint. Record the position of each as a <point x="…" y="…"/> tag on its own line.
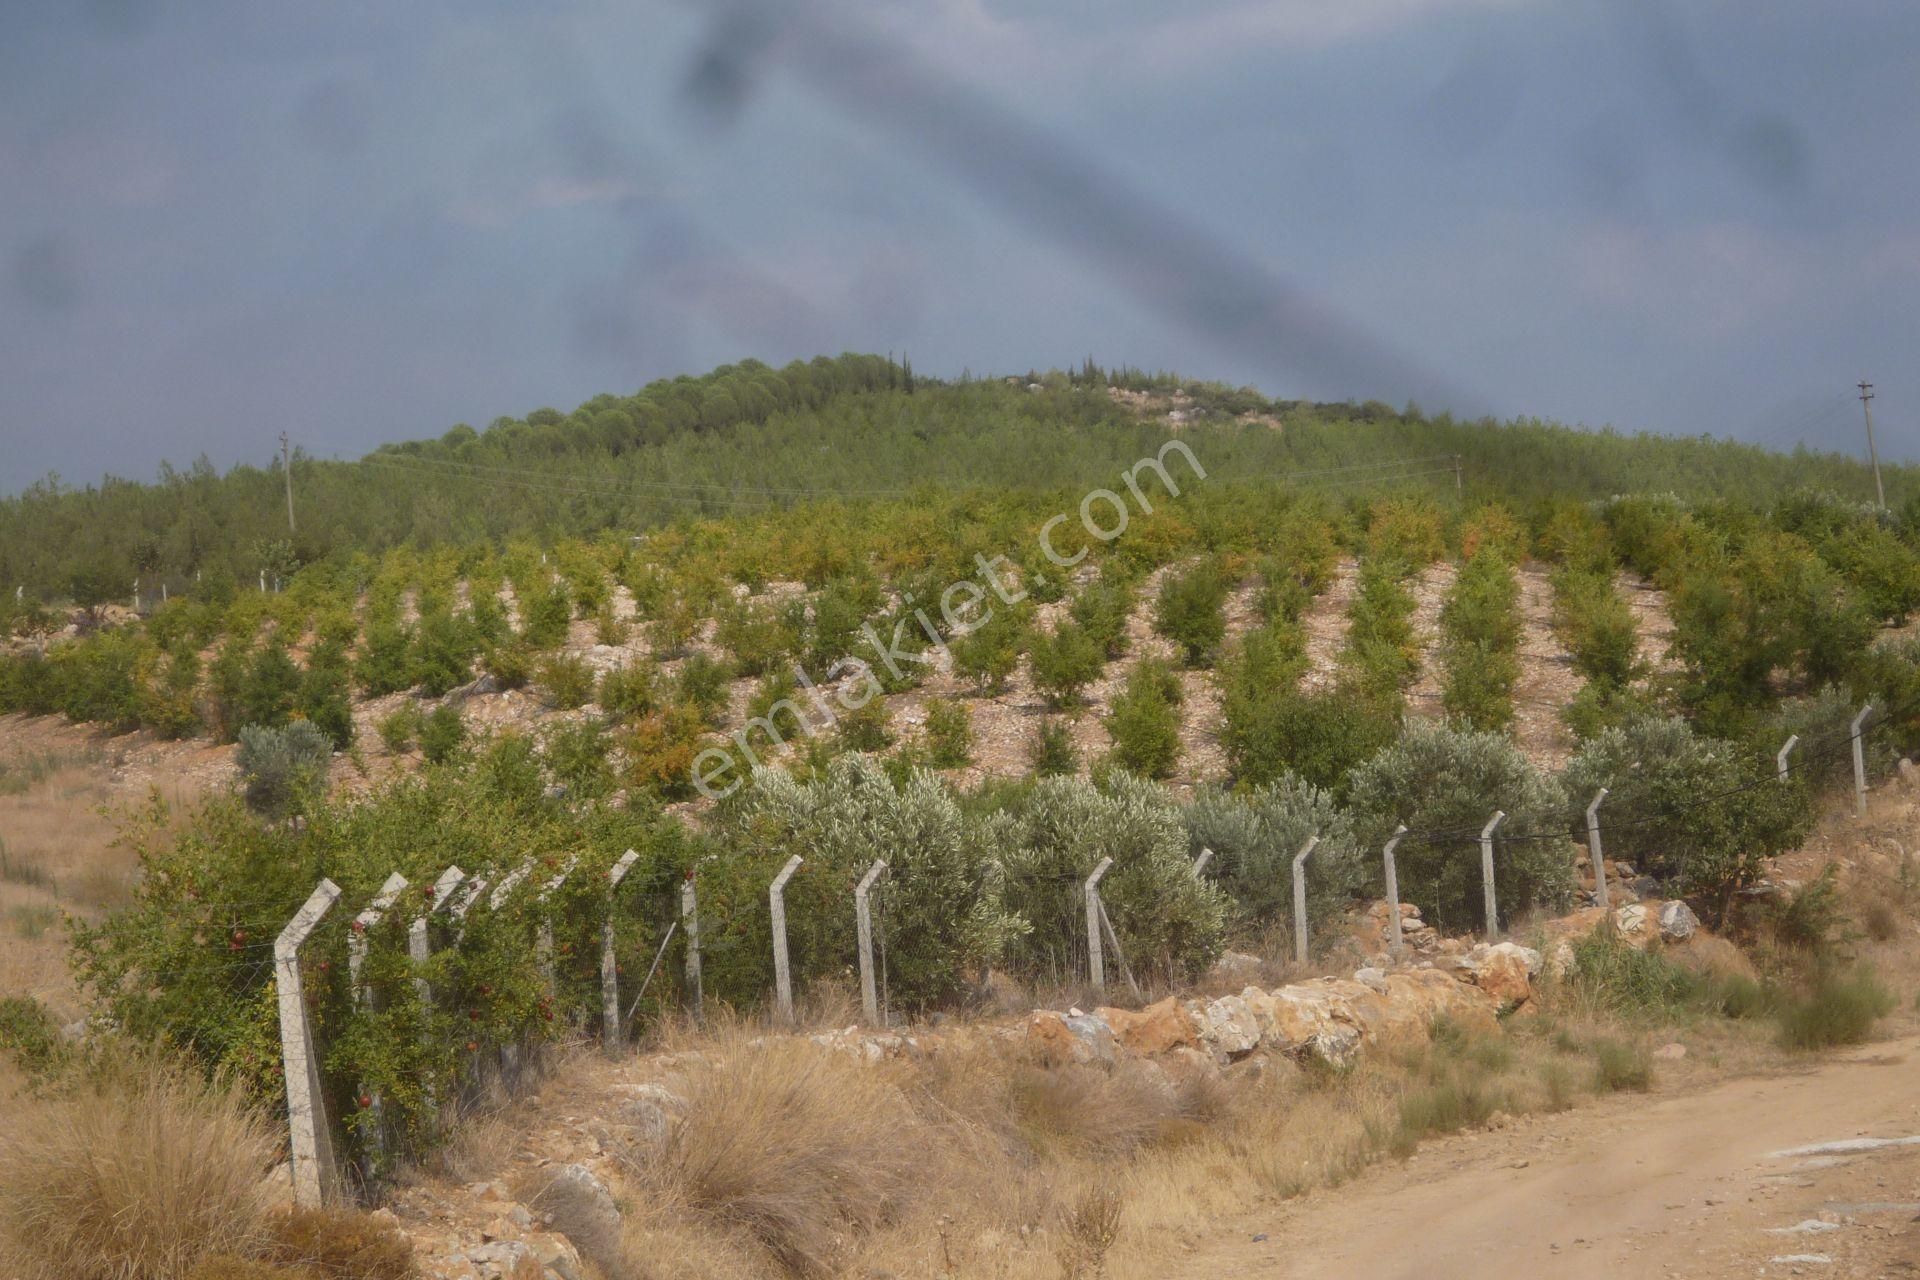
<point x="371" y="915"/>
<point x="1486" y="873"/>
<point x="1594" y="854"/>
<point x="469" y="894"/>
<point x="782" y="968"/>
<point x="1397" y="945"/>
<point x="315" y="1177"/>
<point x="508" y="883"/>
<point x="609" y="963"/>
<point x="1860" y="763"/>
<point x="1300" y="897"/>
<point x="543" y="936"/>
<point x="1200" y="863"/>
<point x="1780" y="765"/>
<point x="690" y="926"/>
<point x="440" y="898"/>
<point x="1096" y="962"/>
<point x="863" y="928"/>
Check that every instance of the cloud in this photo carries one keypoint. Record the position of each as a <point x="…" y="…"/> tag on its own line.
<point x="497" y="211"/>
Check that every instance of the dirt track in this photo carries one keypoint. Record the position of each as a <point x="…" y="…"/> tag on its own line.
<point x="1687" y="1184"/>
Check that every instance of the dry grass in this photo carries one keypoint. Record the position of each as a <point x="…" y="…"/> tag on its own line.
<point x="138" y="1173"/>
<point x="792" y="1147"/>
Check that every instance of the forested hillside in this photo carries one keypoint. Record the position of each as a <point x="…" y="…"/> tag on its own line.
<point x="858" y="429"/>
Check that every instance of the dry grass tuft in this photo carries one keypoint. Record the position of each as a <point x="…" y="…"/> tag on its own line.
<point x="137" y="1174"/>
<point x="1093" y="1111"/>
<point x="794" y="1147"/>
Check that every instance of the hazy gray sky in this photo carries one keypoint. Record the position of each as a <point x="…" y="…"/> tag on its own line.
<point x="360" y="221"/>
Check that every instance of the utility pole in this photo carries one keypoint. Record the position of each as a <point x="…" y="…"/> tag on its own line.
<point x="286" y="462"/>
<point x="1866" y="407"/>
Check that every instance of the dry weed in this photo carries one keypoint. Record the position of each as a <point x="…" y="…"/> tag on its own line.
<point x="136" y="1174"/>
<point x="792" y="1146"/>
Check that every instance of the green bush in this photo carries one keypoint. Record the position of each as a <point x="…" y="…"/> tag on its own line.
<point x="441" y="733"/>
<point x="1686" y="809"/>
<point x="1064" y="662"/>
<point x="1255" y="835"/>
<point x="1840" y="1009"/>
<point x="1190" y="610"/>
<point x="1381" y="655"/>
<point x="1053" y="753"/>
<point x="703" y="683"/>
<point x="629" y="692"/>
<point x="443" y="651"/>
<point x="576" y="756"/>
<point x="1322" y="736"/>
<point x="545" y="616"/>
<point x="386" y="659"/>
<point x="510" y="664"/>
<point x="398" y="728"/>
<point x="273" y="685"/>
<point x="1480" y="630"/>
<point x="1102" y="610"/>
<point x="1598" y="628"/>
<point x="1447" y="782"/>
<point x="1145" y="721"/>
<point x="566" y="680"/>
<point x="949" y="737"/>
<point x="990" y="653"/>
<point x="1050" y="836"/>
<point x="282" y="768"/>
<point x="865" y="728"/>
<point x="1621" y="1067"/>
<point x="1614" y="976"/>
<point x="30" y="1036"/>
<point x="940" y="908"/>
<point x="325" y="699"/>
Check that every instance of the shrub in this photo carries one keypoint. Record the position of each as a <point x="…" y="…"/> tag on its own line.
<point x="142" y="1172"/>
<point x="1049" y="837"/>
<point x="1053" y="752"/>
<point x="386" y="659"/>
<point x="576" y="756"/>
<point x="1102" y="610"/>
<point x="703" y="685"/>
<point x="630" y="691"/>
<point x="990" y="653"/>
<point x="282" y="768"/>
<point x="1254" y="836"/>
<point x="339" y="1243"/>
<point x="1437" y="778"/>
<point x="864" y="728"/>
<point x="1064" y="662"/>
<point x="29" y="1035"/>
<point x="567" y="681"/>
<point x="1611" y="975"/>
<point x="1840" y="1009"/>
<point x="940" y="907"/>
<point x="1598" y="628"/>
<point x="1621" y="1067"/>
<point x="1145" y="721"/>
<point x="443" y="653"/>
<point x="949" y="735"/>
<point x="1685" y="808"/>
<point x="324" y="699"/>
<point x="1322" y="736"/>
<point x="1190" y="613"/>
<point x="660" y="751"/>
<point x="608" y="627"/>
<point x="545" y="616"/>
<point x="273" y="682"/>
<point x="758" y="637"/>
<point x="1381" y="656"/>
<point x="510" y="663"/>
<point x="399" y="727"/>
<point x="441" y="734"/>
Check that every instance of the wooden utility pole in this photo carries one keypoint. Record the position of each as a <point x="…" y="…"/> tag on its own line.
<point x="1866" y="407"/>
<point x="286" y="463"/>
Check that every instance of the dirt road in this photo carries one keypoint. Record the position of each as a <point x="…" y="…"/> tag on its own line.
<point x="1702" y="1184"/>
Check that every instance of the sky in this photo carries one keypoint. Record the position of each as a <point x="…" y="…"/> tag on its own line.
<point x="359" y="222"/>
